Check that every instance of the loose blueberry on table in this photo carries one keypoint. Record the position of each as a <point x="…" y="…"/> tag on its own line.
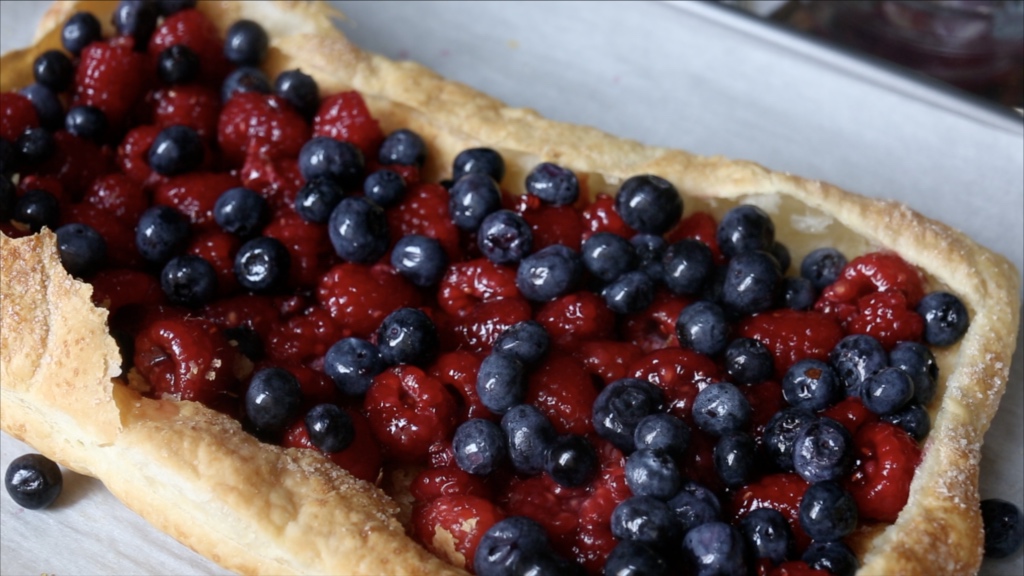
<point x="579" y="382"/>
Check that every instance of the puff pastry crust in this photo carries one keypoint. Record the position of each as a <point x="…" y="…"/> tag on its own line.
<point x="260" y="509"/>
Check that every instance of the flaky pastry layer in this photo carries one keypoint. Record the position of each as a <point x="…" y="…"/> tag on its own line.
<point x="261" y="509"/>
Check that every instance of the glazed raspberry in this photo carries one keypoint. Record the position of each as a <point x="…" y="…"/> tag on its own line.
<point x="317" y="387"/>
<point x="792" y="335"/>
<point x="451" y="526"/>
<point x="262" y="123"/>
<point x="307" y="244"/>
<point x="554" y="507"/>
<point x="480" y="328"/>
<point x="132" y="154"/>
<point x="218" y="248"/>
<point x="187" y="357"/>
<point x="192" y="29"/>
<point x="119" y="195"/>
<point x="699" y="226"/>
<point x="600" y="216"/>
<point x="594" y="539"/>
<point x="864" y="275"/>
<point x="46" y="183"/>
<point x="197" y="107"/>
<point x="345" y="117"/>
<point x="360" y="296"/>
<point x="469" y="283"/>
<point x="195" y="194"/>
<point x="457" y="371"/>
<point x="447" y="481"/>
<point x="17" y="114"/>
<point x="278" y="180"/>
<point x="256" y="312"/>
<point x="113" y="77"/>
<point x="550" y="224"/>
<point x="561" y="388"/>
<point x="888" y="317"/>
<point x="699" y="462"/>
<point x="655" y="327"/>
<point x="765" y="401"/>
<point x="118" y="287"/>
<point x="115" y="232"/>
<point x="76" y="162"/>
<point x="303" y="338"/>
<point x="408" y="412"/>
<point x="851" y="413"/>
<point x="576" y="318"/>
<point x="424" y="211"/>
<point x="887" y="458"/>
<point x="608" y="360"/>
<point x="680" y="373"/>
<point x="362" y="458"/>
<point x="780" y="492"/>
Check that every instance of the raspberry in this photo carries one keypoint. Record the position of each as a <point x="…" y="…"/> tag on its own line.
<point x="851" y="413"/>
<point x="792" y="335"/>
<point x="118" y="234"/>
<point x="469" y="283"/>
<point x="362" y="458"/>
<point x="191" y="28"/>
<point x="478" y="329"/>
<point x="345" y="117"/>
<point x="256" y="312"/>
<point x="576" y="318"/>
<point x="119" y="195"/>
<point x="864" y="275"/>
<point x="424" y="210"/>
<point x="600" y="216"/>
<point x="554" y="507"/>
<point x="197" y="107"/>
<point x="277" y="180"/>
<point x="457" y="371"/>
<point x="680" y="373"/>
<point x="116" y="288"/>
<point x="307" y="244"/>
<point x="195" y="194"/>
<point x="609" y="360"/>
<point x="133" y="151"/>
<point x="303" y="338"/>
<point x="76" y="162"/>
<point x="561" y="388"/>
<point x="317" y="387"/>
<point x="451" y="526"/>
<point x="47" y="183"/>
<point x="408" y="412"/>
<point x="594" y="539"/>
<point x="887" y="458"/>
<point x="17" y="114"/>
<point x="218" y="248"/>
<point x="550" y="224"/>
<point x="765" y="401"/>
<point x="699" y="226"/>
<point x="261" y="123"/>
<point x="888" y="317"/>
<point x="113" y="77"/>
<point x="655" y="327"/>
<point x="360" y="296"/>
<point x="447" y="481"/>
<point x="780" y="492"/>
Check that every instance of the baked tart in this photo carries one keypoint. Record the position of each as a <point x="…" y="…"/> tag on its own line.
<point x="310" y="310"/>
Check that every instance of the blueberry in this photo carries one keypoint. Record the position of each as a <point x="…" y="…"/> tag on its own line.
<point x="748" y="361"/>
<point x="745" y="228"/>
<point x="421" y="260"/>
<point x="329" y="158"/>
<point x="529" y="434"/>
<point x="607" y="256"/>
<point x="650" y="249"/>
<point x="734" y="458"/>
<point x="8" y="161"/>
<point x="501" y="382"/>
<point x="177" y="149"/>
<point x="262" y="264"/>
<point x="631" y="558"/>
<point x="547" y="563"/>
<point x="504" y="237"/>
<point x="913" y="418"/>
<point x="856" y="357"/>
<point x="81" y="248"/>
<point x="88" y="122"/>
<point x="189" y="280"/>
<point x="330" y="428"/>
<point x="945" y="318"/>
<point x="797" y="294"/>
<point x="822" y="267"/>
<point x="919" y="363"/>
<point x="177" y="64"/>
<point x="646" y="520"/>
<point x="887" y="391"/>
<point x="835" y="558"/>
<point x="1004" y="527"/>
<point x="135" y="18"/>
<point x="549" y="273"/>
<point x="403" y="147"/>
<point x="385" y="187"/>
<point x="703" y="327"/>
<point x="715" y="549"/>
<point x="780" y="435"/>
<point x="352" y="363"/>
<point x="244" y="79"/>
<point x="317" y="198"/>
<point x="479" y="446"/>
<point x="714" y="285"/>
<point x="33" y="481"/>
<point x="47" y="105"/>
<point x="620" y="407"/>
<point x="811" y="384"/>
<point x="695" y="505"/>
<point x="479" y="161"/>
<point x="553" y="184"/>
<point x="358" y="230"/>
<point x="272" y="400"/>
<point x="687" y="264"/>
<point x="632" y="292"/>
<point x="653" y="473"/>
<point x="526" y="341"/>
<point x="407" y="336"/>
<point x="781" y="254"/>
<point x="54" y="70"/>
<point x="8" y="196"/>
<point x="822" y="450"/>
<point x="473" y="197"/>
<point x="300" y="90"/>
<point x="662" y="432"/>
<point x="649" y="204"/>
<point x="246" y="43"/>
<point x="721" y="408"/>
<point x="168" y="7"/>
<point x="752" y="282"/>
<point x="505" y="544"/>
<point x="37" y="209"/>
<point x="240" y="211"/>
<point x="571" y="461"/>
<point x="827" y="511"/>
<point x="35" y="146"/>
<point x="767" y="535"/>
<point x="162" y="232"/>
<point x="80" y="30"/>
